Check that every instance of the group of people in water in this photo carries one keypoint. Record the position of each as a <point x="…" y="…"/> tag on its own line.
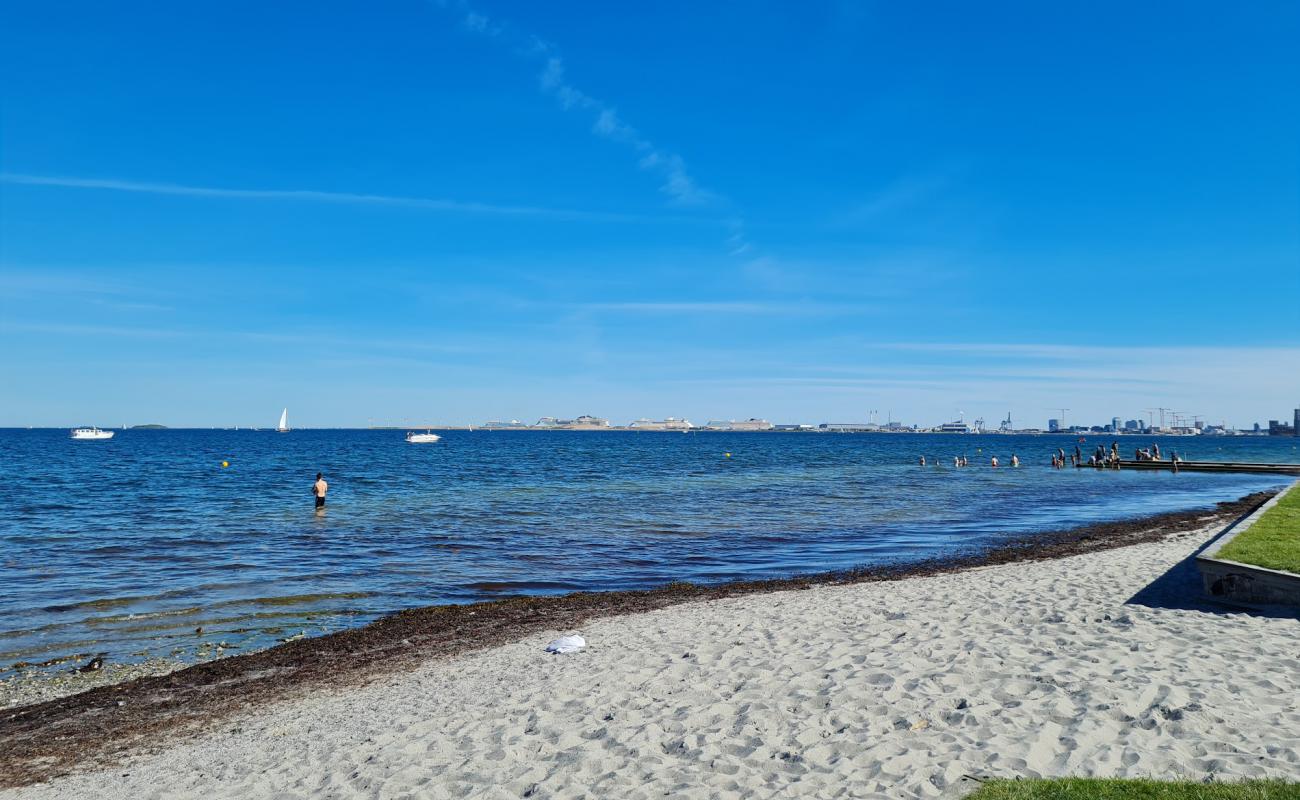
<point x="1100" y="458"/>
<point x="963" y="461"/>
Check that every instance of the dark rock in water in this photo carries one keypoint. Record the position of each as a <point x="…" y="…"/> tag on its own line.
<point x="93" y="666"/>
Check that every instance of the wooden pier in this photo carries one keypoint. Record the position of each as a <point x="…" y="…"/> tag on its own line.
<point x="1211" y="466"/>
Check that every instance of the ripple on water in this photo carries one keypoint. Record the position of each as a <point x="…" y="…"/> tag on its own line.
<point x="161" y="540"/>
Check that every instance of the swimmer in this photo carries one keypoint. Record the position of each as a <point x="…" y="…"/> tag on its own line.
<point x="318" y="489"/>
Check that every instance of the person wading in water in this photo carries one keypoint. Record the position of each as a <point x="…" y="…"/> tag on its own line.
<point x="319" y="488"/>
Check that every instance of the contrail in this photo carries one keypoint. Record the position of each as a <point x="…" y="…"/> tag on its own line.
<point x="311" y="195"/>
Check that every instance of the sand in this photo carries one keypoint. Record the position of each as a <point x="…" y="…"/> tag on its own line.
<point x="896" y="689"/>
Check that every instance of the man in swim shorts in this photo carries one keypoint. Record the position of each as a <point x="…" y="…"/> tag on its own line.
<point x="319" y="488"/>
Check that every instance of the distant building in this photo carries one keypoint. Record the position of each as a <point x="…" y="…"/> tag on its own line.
<point x="1276" y="428"/>
<point x="1132" y="425"/>
<point x="793" y="428"/>
<point x="1114" y="424"/>
<point x="750" y="424"/>
<point x="847" y="427"/>
<point x="1295" y="427"/>
<point x="1053" y="426"/>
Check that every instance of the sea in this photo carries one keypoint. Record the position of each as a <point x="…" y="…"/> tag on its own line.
<point x="128" y="547"/>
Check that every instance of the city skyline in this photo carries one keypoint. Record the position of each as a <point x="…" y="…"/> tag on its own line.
<point x="1151" y="423"/>
<point x="496" y="210"/>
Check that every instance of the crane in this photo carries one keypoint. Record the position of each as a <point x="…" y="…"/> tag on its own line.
<point x="1162" y="411"/>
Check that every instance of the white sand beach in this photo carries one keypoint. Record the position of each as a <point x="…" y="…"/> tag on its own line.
<point x="894" y="689"/>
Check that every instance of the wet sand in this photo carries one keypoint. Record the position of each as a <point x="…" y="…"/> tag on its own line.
<point x="490" y="651"/>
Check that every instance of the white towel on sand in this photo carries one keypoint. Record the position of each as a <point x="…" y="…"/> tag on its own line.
<point x="566" y="644"/>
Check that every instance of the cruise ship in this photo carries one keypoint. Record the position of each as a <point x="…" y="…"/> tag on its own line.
<point x="959" y="426"/>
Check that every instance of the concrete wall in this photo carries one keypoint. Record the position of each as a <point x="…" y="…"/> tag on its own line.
<point x="1231" y="581"/>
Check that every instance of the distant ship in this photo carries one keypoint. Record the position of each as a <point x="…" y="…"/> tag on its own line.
<point x="283" y="427"/>
<point x="422" y="438"/>
<point x="959" y="426"/>
<point x="91" y="433"/>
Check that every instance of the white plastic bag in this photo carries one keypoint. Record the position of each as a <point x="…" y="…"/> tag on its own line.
<point x="566" y="644"/>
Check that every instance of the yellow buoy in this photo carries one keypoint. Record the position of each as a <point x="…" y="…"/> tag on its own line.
<point x="225" y="463"/>
<point x="726" y="455"/>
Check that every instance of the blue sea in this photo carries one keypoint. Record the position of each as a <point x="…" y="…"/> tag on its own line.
<point x="127" y="546"/>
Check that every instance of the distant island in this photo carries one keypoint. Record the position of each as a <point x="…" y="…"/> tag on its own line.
<point x="153" y="426"/>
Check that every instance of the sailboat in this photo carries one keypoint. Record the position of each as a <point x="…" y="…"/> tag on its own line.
<point x="283" y="427"/>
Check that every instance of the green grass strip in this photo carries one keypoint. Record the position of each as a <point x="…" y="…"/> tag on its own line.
<point x="1116" y="789"/>
<point x="1274" y="540"/>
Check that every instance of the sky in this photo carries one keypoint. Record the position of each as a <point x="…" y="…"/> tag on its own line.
<point x="444" y="212"/>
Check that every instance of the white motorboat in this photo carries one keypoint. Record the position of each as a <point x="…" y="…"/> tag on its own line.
<point x="283" y="427"/>
<point x="422" y="438"/>
<point x="91" y="433"/>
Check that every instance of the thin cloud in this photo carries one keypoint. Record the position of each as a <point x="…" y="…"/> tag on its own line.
<point x="723" y="307"/>
<point x="678" y="184"/>
<point x="728" y="307"/>
<point x="61" y="329"/>
<point x="358" y="342"/>
<point x="311" y="195"/>
<point x="1094" y="353"/>
<point x="904" y="193"/>
<point x="676" y="181"/>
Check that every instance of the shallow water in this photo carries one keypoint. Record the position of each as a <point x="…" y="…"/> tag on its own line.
<point x="127" y="546"/>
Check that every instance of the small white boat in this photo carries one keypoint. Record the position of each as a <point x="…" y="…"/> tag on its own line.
<point x="91" y="433"/>
<point x="422" y="438"/>
<point x="283" y="427"/>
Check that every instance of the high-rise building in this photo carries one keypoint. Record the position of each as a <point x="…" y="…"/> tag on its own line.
<point x="1054" y="426"/>
<point x="1295" y="428"/>
<point x="1132" y="425"/>
<point x="1114" y="423"/>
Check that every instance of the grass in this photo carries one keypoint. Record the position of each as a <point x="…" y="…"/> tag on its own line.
<point x="1115" y="789"/>
<point x="1274" y="540"/>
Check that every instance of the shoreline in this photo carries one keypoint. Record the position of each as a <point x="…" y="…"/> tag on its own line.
<point x="103" y="725"/>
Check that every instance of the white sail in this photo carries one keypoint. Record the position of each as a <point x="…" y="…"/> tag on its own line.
<point x="284" y="421"/>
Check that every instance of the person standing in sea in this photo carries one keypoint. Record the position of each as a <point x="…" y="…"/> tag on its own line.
<point x="319" y="488"/>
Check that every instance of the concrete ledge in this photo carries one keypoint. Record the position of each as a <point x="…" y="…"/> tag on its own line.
<point x="1247" y="584"/>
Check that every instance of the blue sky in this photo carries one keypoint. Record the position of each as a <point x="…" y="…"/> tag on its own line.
<point x="445" y="212"/>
